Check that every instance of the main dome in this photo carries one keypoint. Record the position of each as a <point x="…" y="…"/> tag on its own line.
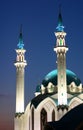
<point x="52" y="77"/>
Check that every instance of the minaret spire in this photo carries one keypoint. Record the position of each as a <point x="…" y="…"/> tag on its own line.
<point x="20" y="71"/>
<point x="60" y="26"/>
<point x="20" y="44"/>
<point x="61" y="50"/>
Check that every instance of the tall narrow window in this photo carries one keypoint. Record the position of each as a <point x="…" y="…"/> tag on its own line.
<point x="43" y="118"/>
<point x="53" y="115"/>
<point x="32" y="118"/>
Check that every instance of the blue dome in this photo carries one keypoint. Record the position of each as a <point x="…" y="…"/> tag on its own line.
<point x="52" y="77"/>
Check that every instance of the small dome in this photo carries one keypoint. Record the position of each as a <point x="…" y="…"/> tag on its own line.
<point x="38" y="88"/>
<point x="52" y="77"/>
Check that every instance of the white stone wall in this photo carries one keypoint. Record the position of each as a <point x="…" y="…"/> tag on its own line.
<point x="25" y="121"/>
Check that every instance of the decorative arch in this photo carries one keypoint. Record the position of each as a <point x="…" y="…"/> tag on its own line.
<point x="43" y="118"/>
<point x="74" y="102"/>
<point x="50" y="106"/>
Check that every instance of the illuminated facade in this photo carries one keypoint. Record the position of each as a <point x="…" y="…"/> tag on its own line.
<point x="60" y="90"/>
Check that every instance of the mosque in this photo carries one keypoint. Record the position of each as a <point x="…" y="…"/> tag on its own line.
<point x="60" y="91"/>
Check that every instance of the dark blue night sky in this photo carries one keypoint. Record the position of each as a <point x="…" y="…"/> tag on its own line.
<point x="39" y="19"/>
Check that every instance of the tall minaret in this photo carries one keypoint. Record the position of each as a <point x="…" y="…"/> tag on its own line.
<point x="61" y="50"/>
<point x="20" y="68"/>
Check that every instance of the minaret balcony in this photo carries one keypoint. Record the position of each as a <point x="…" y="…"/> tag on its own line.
<point x="60" y="49"/>
<point x="20" y="64"/>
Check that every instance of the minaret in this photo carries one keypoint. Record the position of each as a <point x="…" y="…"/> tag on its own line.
<point x="61" y="50"/>
<point x="20" y="68"/>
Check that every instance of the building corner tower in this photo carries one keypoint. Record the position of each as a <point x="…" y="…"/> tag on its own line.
<point x="20" y="70"/>
<point x="61" y="50"/>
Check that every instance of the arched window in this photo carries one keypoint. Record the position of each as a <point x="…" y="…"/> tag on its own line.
<point x="19" y="58"/>
<point x="53" y="115"/>
<point x="22" y="58"/>
<point x="32" y="118"/>
<point x="43" y="118"/>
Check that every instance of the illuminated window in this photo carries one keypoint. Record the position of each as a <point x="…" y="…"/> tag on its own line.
<point x="61" y="42"/>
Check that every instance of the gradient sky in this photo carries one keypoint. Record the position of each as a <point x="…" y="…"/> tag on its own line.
<point x="39" y="19"/>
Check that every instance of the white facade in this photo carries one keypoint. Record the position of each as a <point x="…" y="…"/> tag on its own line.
<point x="59" y="92"/>
<point x="31" y="119"/>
